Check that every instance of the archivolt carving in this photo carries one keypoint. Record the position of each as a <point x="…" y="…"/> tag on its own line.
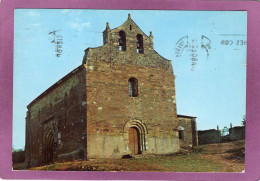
<point x="142" y="131"/>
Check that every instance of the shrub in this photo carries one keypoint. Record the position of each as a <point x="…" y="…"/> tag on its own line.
<point x="18" y="156"/>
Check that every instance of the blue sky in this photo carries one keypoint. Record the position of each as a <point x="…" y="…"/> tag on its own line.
<point x="214" y="90"/>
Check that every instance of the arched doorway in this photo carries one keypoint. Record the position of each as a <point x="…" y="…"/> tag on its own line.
<point x="135" y="133"/>
<point x="49" y="146"/>
<point x="134" y="140"/>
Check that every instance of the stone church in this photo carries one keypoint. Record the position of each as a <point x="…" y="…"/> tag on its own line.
<point x="119" y="101"/>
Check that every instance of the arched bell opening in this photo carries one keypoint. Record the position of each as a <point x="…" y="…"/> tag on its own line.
<point x="122" y="41"/>
<point x="139" y="44"/>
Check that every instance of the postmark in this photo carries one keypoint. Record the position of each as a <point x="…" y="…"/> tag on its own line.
<point x="235" y="41"/>
<point x="56" y="39"/>
<point x="193" y="46"/>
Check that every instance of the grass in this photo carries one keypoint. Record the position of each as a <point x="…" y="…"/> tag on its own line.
<point x="18" y="166"/>
<point x="185" y="163"/>
<point x="222" y="157"/>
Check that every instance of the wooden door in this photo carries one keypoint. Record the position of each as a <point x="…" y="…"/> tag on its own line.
<point x="48" y="154"/>
<point x="133" y="141"/>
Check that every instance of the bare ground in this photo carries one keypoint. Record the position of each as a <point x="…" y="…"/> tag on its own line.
<point x="221" y="157"/>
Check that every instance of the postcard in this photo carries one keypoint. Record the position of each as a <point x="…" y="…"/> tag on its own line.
<point x="131" y="93"/>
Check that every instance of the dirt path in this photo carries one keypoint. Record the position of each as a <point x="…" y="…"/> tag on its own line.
<point x="231" y="154"/>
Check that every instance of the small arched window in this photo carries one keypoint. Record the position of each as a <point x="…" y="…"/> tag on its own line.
<point x="181" y="134"/>
<point x="139" y="44"/>
<point x="133" y="87"/>
<point x="122" y="41"/>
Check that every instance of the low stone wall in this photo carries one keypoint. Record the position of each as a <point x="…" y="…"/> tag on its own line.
<point x="74" y="155"/>
<point x="107" y="146"/>
<point x="209" y="136"/>
<point x="237" y="133"/>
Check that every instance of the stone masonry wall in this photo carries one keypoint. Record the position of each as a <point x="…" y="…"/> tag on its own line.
<point x="209" y="136"/>
<point x="195" y="140"/>
<point x="109" y="106"/>
<point x="237" y="133"/>
<point x="110" y="52"/>
<point x="59" y="114"/>
<point x="190" y="132"/>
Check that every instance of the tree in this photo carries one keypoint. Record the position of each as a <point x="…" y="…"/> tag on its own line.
<point x="18" y="155"/>
<point x="244" y="121"/>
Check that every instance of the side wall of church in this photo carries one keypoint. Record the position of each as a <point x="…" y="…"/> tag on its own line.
<point x="110" y="109"/>
<point x="57" y="115"/>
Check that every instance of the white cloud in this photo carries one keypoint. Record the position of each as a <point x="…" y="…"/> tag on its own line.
<point x="79" y="26"/>
<point x="65" y="11"/>
<point x="33" y="13"/>
<point x="36" y="24"/>
<point x="72" y="13"/>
